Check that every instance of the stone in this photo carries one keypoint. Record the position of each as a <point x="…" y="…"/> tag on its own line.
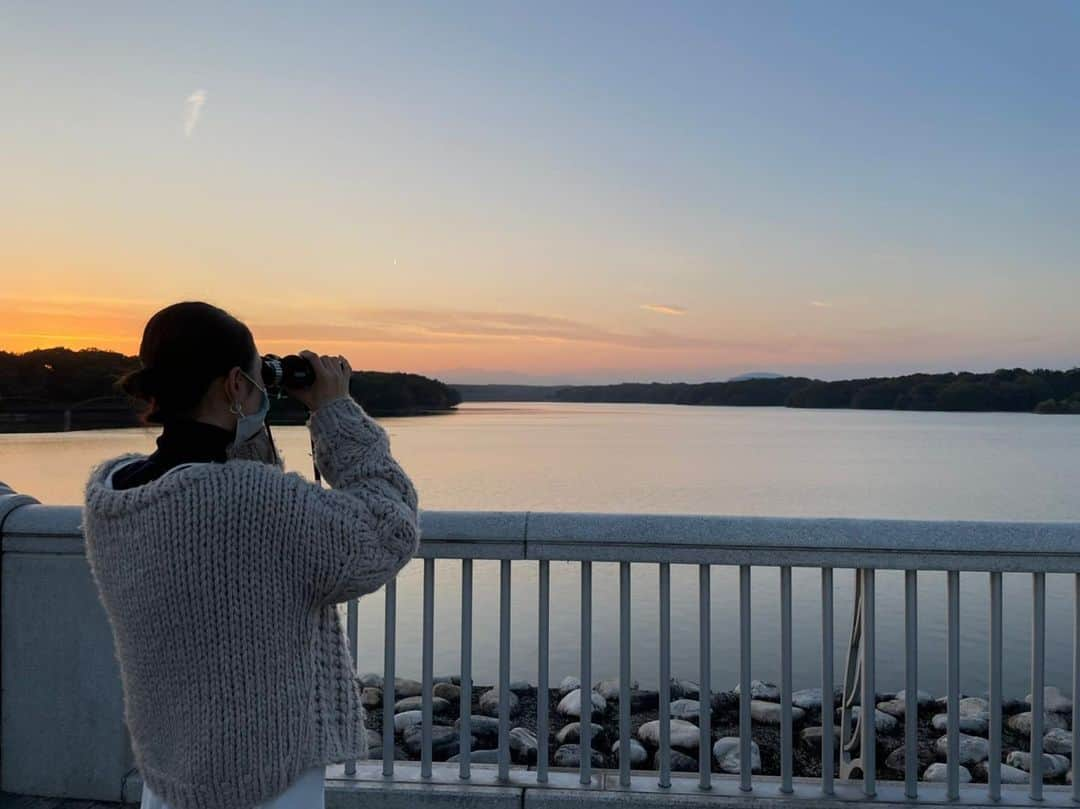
<point x="683" y="734"/>
<point x="489" y="702"/>
<point x="479" y="757"/>
<point x="1053" y="701"/>
<point x="484" y="728"/>
<point x="371" y="697"/>
<point x="680" y="762"/>
<point x="407" y="720"/>
<point x="940" y="772"/>
<point x="638" y="754"/>
<point x="445" y="742"/>
<point x="769" y="713"/>
<point x="571" y="733"/>
<point x="370" y="679"/>
<point x="1011" y="705"/>
<point x="897" y="759"/>
<point x="924" y="698"/>
<point x="452" y="679"/>
<point x="523" y="746"/>
<point x="724" y="701"/>
<point x="439" y="706"/>
<point x="569" y="755"/>
<point x="407" y="688"/>
<point x="760" y="689"/>
<point x="521" y="686"/>
<point x="685" y="689"/>
<point x="570" y="705"/>
<point x="688" y="709"/>
<point x="726" y="753"/>
<point x="447" y="691"/>
<point x="1054" y="766"/>
<point x="1009" y="775"/>
<point x="883" y="722"/>
<point x="609" y="689"/>
<point x="568" y="684"/>
<point x="893" y="707"/>
<point x="973" y="749"/>
<point x="809" y="699"/>
<point x="644" y="700"/>
<point x="374" y="744"/>
<point x="812" y="736"/>
<point x="1021" y="722"/>
<point x="1058" y="740"/>
<point x="898" y="705"/>
<point x="974" y="717"/>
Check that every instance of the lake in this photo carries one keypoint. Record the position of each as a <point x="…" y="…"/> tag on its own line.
<point x="709" y="460"/>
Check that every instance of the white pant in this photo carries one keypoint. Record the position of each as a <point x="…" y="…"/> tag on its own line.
<point x="306" y="792"/>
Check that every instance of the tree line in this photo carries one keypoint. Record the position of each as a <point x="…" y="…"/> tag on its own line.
<point x="36" y="386"/>
<point x="1011" y="390"/>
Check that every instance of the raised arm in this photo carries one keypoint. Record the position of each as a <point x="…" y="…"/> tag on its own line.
<point x="362" y="530"/>
<point x="355" y="536"/>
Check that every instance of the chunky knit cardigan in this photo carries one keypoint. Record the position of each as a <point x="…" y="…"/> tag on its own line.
<point x="220" y="582"/>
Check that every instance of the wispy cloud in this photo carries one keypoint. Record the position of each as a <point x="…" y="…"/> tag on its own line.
<point x="664" y="309"/>
<point x="192" y="110"/>
<point x="430" y="326"/>
<point x="821" y="304"/>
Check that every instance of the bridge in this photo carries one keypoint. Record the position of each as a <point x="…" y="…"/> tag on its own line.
<point x="63" y="733"/>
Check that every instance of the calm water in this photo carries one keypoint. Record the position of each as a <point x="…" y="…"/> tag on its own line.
<point x="668" y="459"/>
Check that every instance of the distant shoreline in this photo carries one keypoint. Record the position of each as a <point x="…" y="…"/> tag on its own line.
<point x="1015" y="390"/>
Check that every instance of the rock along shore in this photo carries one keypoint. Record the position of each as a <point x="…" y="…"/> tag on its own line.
<point x="564" y="724"/>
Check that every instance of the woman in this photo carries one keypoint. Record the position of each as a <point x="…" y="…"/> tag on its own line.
<point x="220" y="573"/>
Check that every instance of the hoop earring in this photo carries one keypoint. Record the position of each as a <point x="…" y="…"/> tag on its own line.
<point x="236" y="409"/>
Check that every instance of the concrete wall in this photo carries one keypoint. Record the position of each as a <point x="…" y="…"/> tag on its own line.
<point x="61" y="712"/>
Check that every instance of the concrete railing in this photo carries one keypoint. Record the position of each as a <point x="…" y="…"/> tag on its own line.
<point x="63" y="732"/>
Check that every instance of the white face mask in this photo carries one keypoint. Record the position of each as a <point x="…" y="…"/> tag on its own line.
<point x="253" y="441"/>
<point x="247" y="427"/>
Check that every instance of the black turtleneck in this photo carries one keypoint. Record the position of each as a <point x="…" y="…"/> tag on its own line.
<point x="183" y="441"/>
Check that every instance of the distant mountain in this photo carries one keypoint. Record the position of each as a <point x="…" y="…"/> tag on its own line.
<point x="756" y="375"/>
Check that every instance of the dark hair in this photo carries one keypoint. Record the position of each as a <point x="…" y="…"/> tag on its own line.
<point x="184" y="348"/>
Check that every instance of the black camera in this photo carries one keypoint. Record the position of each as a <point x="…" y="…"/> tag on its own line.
<point x="291" y="371"/>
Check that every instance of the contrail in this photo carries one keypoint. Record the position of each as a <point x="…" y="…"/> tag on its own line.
<point x="192" y="110"/>
<point x="664" y="309"/>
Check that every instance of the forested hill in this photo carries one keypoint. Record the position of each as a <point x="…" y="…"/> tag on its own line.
<point x="38" y="387"/>
<point x="1015" y="390"/>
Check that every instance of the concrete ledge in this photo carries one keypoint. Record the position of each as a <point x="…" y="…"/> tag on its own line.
<point x="370" y="789"/>
<point x="676" y="538"/>
<point x="813" y="542"/>
<point x="472" y="534"/>
<point x="356" y="794"/>
<point x="10" y="501"/>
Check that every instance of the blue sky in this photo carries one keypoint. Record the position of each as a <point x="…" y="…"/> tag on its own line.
<point x="559" y="192"/>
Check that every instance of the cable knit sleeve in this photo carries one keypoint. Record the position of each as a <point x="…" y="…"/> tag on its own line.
<point x="366" y="525"/>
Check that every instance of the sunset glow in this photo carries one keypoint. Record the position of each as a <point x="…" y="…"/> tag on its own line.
<point x="603" y="194"/>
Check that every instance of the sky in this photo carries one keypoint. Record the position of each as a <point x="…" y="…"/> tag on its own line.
<point x="551" y="192"/>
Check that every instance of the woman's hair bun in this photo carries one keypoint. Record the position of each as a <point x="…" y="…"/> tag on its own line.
<point x="141" y="384"/>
